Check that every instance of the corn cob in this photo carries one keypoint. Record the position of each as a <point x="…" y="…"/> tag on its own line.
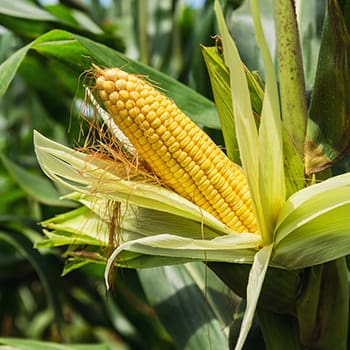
<point x="177" y="150"/>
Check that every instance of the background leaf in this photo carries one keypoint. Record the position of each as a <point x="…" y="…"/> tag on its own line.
<point x="328" y="128"/>
<point x="37" y="187"/>
<point x="26" y="344"/>
<point x="24" y="9"/>
<point x="192" y="303"/>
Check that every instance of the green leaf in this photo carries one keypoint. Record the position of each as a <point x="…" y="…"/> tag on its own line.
<point x="28" y="344"/>
<point x="79" y="52"/>
<point x="36" y="186"/>
<point x="323" y="306"/>
<point x="276" y="328"/>
<point x="79" y="226"/>
<point x="255" y="283"/>
<point x="24" y="9"/>
<point x="313" y="226"/>
<point x="220" y="81"/>
<point x="230" y="248"/>
<point x="91" y="224"/>
<point x="291" y="75"/>
<point x="309" y="14"/>
<point x="246" y="131"/>
<point x="197" y="302"/>
<point x="74" y="18"/>
<point x="70" y="49"/>
<point x="328" y="129"/>
<point x="25" y="247"/>
<point x="272" y="188"/>
<point x="9" y="68"/>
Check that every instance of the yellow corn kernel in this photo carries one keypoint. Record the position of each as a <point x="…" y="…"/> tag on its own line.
<point x="177" y="150"/>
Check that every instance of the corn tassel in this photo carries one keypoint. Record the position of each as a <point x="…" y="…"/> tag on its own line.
<point x="176" y="149"/>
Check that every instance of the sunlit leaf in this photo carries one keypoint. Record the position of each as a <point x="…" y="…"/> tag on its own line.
<point x="79" y="226"/>
<point x="78" y="53"/>
<point x="237" y="248"/>
<point x="220" y="81"/>
<point x="24" y="9"/>
<point x="313" y="227"/>
<point x="272" y="188"/>
<point x="246" y="131"/>
<point x="255" y="282"/>
<point x="83" y="173"/>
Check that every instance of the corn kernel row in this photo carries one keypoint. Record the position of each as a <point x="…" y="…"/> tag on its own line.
<point x="176" y="149"/>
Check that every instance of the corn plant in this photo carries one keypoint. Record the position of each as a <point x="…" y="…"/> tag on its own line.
<point x="155" y="191"/>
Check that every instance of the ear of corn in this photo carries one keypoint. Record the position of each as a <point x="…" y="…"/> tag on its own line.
<point x="176" y="149"/>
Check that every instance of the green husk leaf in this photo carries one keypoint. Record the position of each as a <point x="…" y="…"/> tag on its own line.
<point x="313" y="227"/>
<point x="255" y="283"/>
<point x="238" y="248"/>
<point x="187" y="235"/>
<point x="220" y="82"/>
<point x="79" y="226"/>
<point x="82" y="173"/>
<point x="246" y="131"/>
<point x="272" y="189"/>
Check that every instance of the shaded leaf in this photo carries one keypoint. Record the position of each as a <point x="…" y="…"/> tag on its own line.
<point x="28" y="344"/>
<point x="246" y="131"/>
<point x="36" y="186"/>
<point x="79" y="52"/>
<point x="192" y="296"/>
<point x="25" y="247"/>
<point x="272" y="190"/>
<point x="328" y="130"/>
